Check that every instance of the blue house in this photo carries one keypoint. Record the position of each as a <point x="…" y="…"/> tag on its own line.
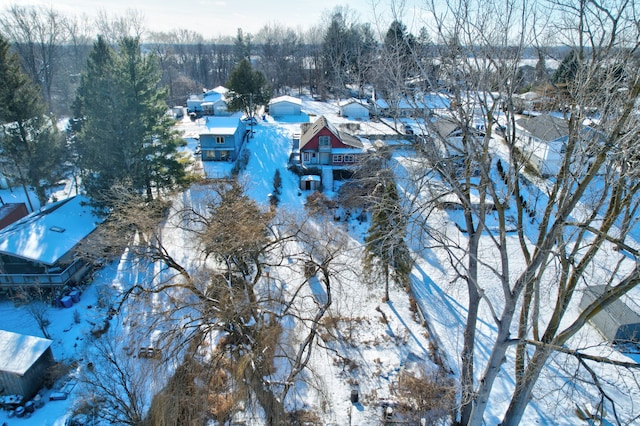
<point x="223" y="138"/>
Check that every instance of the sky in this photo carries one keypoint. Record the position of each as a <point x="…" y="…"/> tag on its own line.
<point x="213" y="18"/>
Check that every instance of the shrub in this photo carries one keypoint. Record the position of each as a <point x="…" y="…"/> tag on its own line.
<point x="423" y="394"/>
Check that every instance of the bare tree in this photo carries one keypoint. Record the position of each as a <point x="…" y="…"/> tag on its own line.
<point x="227" y="290"/>
<point x="114" y="28"/>
<point x="116" y="385"/>
<point x="565" y="227"/>
<point x="38" y="35"/>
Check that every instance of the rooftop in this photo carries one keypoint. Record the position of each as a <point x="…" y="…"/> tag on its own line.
<point x="19" y="351"/>
<point x="47" y="235"/>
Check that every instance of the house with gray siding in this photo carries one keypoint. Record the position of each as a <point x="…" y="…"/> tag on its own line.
<point x="617" y="322"/>
<point x="24" y="361"/>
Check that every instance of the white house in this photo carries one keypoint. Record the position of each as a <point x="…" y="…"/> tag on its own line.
<point x="210" y="102"/>
<point x="285" y="105"/>
<point x="354" y="108"/>
<point x="542" y="140"/>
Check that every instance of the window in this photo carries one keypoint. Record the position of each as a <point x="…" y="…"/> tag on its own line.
<point x="220" y="139"/>
<point x="337" y="158"/>
<point x="324" y="141"/>
<point x="305" y="157"/>
<point x="348" y="158"/>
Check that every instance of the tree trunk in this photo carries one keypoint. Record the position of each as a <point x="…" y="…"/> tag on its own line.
<point x="467" y="358"/>
<point x="386" y="283"/>
<point x="493" y="368"/>
<point x="522" y="392"/>
<point x="273" y="408"/>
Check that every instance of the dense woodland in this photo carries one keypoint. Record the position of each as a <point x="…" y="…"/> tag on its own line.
<point x="525" y="268"/>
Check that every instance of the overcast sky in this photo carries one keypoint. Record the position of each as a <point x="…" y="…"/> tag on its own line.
<point x="212" y="18"/>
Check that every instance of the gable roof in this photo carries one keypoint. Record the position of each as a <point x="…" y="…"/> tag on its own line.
<point x="47" y="235"/>
<point x="18" y="352"/>
<point x="320" y="124"/>
<point x="362" y="103"/>
<point x="286" y="98"/>
<point x="544" y="127"/>
<point x="445" y="126"/>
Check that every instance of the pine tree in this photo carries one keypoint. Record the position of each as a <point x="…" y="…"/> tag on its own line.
<point x="29" y="140"/>
<point x="121" y="131"/>
<point x="247" y="89"/>
<point x="385" y="248"/>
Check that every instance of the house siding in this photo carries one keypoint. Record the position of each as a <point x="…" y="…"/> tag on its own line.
<point x="284" y="108"/>
<point x="354" y="110"/>
<point x="211" y="149"/>
<point x="28" y="384"/>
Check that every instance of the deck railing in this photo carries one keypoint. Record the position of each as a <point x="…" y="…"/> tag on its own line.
<point x="50" y="279"/>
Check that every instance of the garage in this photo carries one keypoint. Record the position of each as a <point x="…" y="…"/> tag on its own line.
<point x="285" y="106"/>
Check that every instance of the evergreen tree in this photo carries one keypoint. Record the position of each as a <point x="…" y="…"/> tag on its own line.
<point x="567" y="70"/>
<point x="247" y="89"/>
<point x="401" y="45"/>
<point x="385" y="248"/>
<point x="242" y="46"/>
<point x="29" y="139"/>
<point x="121" y="131"/>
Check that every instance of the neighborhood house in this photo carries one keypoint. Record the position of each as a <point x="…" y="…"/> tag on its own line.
<point x="210" y="102"/>
<point x="617" y="322"/>
<point x="542" y="140"/>
<point x="322" y="144"/>
<point x="223" y="138"/>
<point x="39" y="248"/>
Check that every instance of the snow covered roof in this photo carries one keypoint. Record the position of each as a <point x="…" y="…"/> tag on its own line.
<point x="286" y="98"/>
<point x="436" y="101"/>
<point x="221" y="125"/>
<point x="220" y="89"/>
<point x="350" y="101"/>
<point x="18" y="352"/>
<point x="47" y="235"/>
<point x="310" y="178"/>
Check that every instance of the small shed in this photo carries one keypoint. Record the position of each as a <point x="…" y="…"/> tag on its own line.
<point x="617" y="322"/>
<point x="24" y="361"/>
<point x="285" y="105"/>
<point x="310" y="183"/>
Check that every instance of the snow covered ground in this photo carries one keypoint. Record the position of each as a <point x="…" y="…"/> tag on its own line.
<point x="379" y="339"/>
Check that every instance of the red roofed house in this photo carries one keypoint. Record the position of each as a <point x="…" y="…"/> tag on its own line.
<point x="322" y="144"/>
